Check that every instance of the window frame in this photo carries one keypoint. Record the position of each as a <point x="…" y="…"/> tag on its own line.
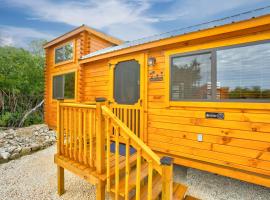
<point x="75" y="86"/>
<point x="66" y="61"/>
<point x="213" y="52"/>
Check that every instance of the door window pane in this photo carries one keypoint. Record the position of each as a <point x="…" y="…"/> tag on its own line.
<point x="191" y="77"/>
<point x="243" y="72"/>
<point x="127" y="82"/>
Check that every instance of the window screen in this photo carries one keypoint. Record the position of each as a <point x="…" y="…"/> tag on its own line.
<point x="127" y="82"/>
<point x="64" y="86"/>
<point x="244" y="72"/>
<point x="191" y="77"/>
<point x="64" y="53"/>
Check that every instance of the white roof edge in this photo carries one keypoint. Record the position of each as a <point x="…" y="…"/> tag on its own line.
<point x="219" y="22"/>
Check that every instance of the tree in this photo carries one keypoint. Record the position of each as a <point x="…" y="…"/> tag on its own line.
<point x="36" y="47"/>
<point x="21" y="85"/>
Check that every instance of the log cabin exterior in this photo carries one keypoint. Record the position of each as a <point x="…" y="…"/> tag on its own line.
<point x="196" y="99"/>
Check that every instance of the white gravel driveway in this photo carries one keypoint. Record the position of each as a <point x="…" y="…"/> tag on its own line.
<point x="33" y="177"/>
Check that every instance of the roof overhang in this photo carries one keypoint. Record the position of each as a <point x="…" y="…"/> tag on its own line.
<point x="223" y="29"/>
<point x="80" y="29"/>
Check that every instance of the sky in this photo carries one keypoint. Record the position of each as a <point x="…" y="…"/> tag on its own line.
<point x="22" y="21"/>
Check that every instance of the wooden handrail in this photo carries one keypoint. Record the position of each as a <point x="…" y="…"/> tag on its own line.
<point x="116" y="129"/>
<point x="131" y="135"/>
<point x="78" y="105"/>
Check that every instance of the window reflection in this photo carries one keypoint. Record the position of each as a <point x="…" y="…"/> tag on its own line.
<point x="191" y="77"/>
<point x="243" y="72"/>
<point x="64" y="53"/>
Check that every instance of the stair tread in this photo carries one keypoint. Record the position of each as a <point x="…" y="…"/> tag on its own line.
<point x="132" y="179"/>
<point x="190" y="198"/>
<point x="122" y="164"/>
<point x="179" y="191"/>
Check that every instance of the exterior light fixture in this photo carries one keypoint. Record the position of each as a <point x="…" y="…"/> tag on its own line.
<point x="151" y="62"/>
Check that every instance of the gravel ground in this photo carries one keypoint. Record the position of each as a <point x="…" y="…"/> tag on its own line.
<point x="34" y="177"/>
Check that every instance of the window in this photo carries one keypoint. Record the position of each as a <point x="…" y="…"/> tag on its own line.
<point x="64" y="86"/>
<point x="243" y="72"/>
<point x="191" y="77"/>
<point x="126" y="82"/>
<point x="238" y="73"/>
<point x="64" y="53"/>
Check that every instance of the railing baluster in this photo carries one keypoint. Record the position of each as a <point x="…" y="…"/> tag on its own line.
<point x="150" y="179"/>
<point x="91" y="128"/>
<point x="137" y="122"/>
<point x="62" y="130"/>
<point x="66" y="131"/>
<point x="80" y="136"/>
<point x="75" y="133"/>
<point x="138" y="174"/>
<point x="84" y="138"/>
<point x="108" y="152"/>
<point x="72" y="120"/>
<point x="127" y="169"/>
<point x="70" y="132"/>
<point x="117" y="163"/>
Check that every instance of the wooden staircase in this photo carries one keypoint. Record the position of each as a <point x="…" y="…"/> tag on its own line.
<point x="97" y="146"/>
<point x="179" y="190"/>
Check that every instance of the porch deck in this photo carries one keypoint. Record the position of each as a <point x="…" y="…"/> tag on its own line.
<point x="87" y="172"/>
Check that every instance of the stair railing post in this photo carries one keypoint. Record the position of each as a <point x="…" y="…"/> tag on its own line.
<point x="60" y="170"/>
<point x="58" y="126"/>
<point x="167" y="178"/>
<point x="100" y="146"/>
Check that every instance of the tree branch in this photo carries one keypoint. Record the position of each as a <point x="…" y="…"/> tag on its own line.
<point x="29" y="112"/>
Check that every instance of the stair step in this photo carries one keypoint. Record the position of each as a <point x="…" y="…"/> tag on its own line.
<point x="191" y="198"/>
<point x="156" y="189"/>
<point x="132" y="180"/>
<point x="179" y="191"/>
<point x="122" y="164"/>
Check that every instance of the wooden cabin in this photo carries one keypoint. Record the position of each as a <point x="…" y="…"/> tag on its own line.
<point x="126" y="111"/>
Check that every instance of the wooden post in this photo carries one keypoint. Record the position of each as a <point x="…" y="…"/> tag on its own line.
<point x="58" y="127"/>
<point x="60" y="180"/>
<point x="60" y="170"/>
<point x="100" y="147"/>
<point x="167" y="178"/>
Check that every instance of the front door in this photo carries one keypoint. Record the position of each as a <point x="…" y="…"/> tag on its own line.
<point x="126" y="99"/>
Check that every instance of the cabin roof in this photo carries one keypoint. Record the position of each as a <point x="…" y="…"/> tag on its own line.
<point x="182" y="31"/>
<point x="79" y="29"/>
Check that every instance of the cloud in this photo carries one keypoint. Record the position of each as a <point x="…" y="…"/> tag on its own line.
<point x="126" y="19"/>
<point x="103" y="14"/>
<point x="201" y="9"/>
<point x="20" y="36"/>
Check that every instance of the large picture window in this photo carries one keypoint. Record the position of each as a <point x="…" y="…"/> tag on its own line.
<point x="244" y="72"/>
<point x="64" y="53"/>
<point x="64" y="86"/>
<point x="238" y="73"/>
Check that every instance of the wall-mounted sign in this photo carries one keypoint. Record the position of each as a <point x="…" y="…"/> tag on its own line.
<point x="214" y="115"/>
<point x="155" y="76"/>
